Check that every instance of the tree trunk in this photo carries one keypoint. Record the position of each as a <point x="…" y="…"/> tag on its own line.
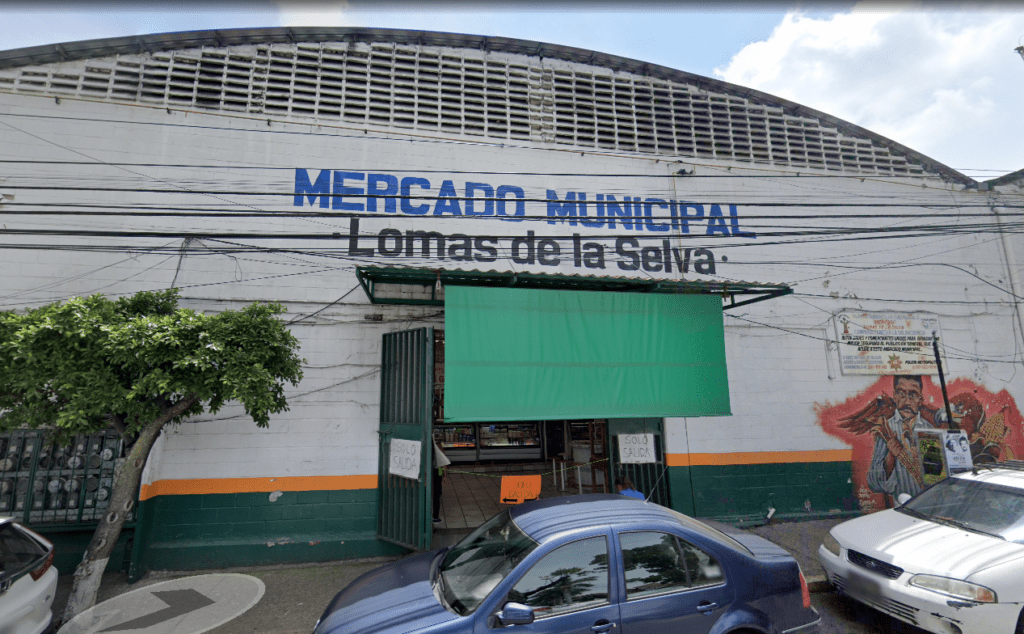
<point x="122" y="498"/>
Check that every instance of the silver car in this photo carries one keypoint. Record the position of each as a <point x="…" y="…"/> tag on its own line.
<point x="28" y="580"/>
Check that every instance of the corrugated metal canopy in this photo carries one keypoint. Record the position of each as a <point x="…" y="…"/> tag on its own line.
<point x="372" y="277"/>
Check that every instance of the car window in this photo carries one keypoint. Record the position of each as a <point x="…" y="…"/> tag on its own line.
<point x="569" y="578"/>
<point x="710" y="532"/>
<point x="18" y="551"/>
<point x="656" y="562"/>
<point x="981" y="506"/>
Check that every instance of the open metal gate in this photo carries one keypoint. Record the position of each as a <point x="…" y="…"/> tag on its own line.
<point x="406" y="401"/>
<point x="648" y="478"/>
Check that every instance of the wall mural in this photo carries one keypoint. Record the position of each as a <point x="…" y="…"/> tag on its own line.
<point x="878" y="424"/>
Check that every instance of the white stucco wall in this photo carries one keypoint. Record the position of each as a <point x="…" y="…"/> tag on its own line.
<point x="236" y="162"/>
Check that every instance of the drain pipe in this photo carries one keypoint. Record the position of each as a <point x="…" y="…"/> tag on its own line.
<point x="1011" y="264"/>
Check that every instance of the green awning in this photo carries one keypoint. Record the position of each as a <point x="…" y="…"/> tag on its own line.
<point x="533" y="354"/>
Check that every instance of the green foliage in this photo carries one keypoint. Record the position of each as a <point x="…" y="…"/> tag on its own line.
<point x="78" y="366"/>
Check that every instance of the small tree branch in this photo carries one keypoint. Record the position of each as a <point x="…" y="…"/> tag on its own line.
<point x="118" y="421"/>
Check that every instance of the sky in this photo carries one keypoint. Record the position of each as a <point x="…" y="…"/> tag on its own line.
<point x="940" y="78"/>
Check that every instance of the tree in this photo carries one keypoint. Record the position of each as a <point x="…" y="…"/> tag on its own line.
<point x="137" y="364"/>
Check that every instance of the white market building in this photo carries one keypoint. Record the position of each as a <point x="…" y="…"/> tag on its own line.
<point x="364" y="177"/>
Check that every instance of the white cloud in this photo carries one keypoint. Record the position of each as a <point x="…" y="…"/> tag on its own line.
<point x="322" y="14"/>
<point x="946" y="84"/>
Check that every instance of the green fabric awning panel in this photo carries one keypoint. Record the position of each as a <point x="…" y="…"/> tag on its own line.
<point x="527" y="354"/>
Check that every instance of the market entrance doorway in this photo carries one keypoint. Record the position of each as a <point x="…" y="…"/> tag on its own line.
<point x="570" y="456"/>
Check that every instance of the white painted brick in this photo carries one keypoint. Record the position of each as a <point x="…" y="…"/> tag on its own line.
<point x="776" y="379"/>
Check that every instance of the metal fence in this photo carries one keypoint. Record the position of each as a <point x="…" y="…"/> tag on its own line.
<point x="44" y="483"/>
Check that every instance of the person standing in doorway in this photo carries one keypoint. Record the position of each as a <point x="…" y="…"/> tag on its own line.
<point x="625" y="487"/>
<point x="440" y="477"/>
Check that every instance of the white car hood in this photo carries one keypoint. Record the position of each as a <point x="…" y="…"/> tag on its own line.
<point x="920" y="546"/>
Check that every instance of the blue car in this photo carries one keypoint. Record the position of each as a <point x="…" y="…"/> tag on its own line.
<point x="583" y="564"/>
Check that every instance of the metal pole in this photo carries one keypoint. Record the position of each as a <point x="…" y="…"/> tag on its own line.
<point x="942" y="382"/>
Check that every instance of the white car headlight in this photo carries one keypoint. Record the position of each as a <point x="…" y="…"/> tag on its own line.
<point x="954" y="588"/>
<point x="831" y="545"/>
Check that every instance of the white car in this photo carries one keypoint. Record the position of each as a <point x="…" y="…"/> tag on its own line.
<point x="949" y="560"/>
<point x="28" y="580"/>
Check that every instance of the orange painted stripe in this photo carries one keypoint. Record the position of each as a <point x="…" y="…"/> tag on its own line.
<point x="257" y="485"/>
<point x="757" y="457"/>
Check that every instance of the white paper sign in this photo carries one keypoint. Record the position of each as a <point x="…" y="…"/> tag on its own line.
<point x="405" y="458"/>
<point x="958" y="452"/>
<point x="636" y="448"/>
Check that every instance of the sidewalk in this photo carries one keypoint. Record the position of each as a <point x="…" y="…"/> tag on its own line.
<point x="297" y="595"/>
<point x="802" y="539"/>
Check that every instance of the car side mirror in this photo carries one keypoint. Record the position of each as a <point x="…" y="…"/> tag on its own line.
<point x="903" y="498"/>
<point x="515" y="614"/>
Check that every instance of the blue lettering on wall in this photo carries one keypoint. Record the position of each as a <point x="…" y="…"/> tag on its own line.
<point x="390" y="189"/>
<point x="648" y="205"/>
<point x="340" y="191"/>
<point x="558" y="209"/>
<point x="681" y="215"/>
<point x="488" y="191"/>
<point x="734" y="218"/>
<point x="321" y="188"/>
<point x="716" y="221"/>
<point x="407" y="207"/>
<point x="520" y="195"/>
<point x="624" y="211"/>
<point x="447" y="200"/>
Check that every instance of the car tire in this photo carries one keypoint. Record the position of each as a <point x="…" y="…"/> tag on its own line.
<point x="1020" y="624"/>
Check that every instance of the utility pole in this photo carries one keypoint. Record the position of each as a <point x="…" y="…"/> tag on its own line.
<point x="942" y="382"/>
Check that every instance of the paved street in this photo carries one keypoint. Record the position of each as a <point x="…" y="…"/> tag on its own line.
<point x="297" y="595"/>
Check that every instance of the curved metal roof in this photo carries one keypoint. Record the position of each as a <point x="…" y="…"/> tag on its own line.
<point x="105" y="47"/>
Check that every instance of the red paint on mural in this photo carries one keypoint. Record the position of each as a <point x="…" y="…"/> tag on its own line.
<point x="871" y="423"/>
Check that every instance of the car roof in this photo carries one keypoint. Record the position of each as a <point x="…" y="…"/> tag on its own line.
<point x="1011" y="475"/>
<point x="544" y="518"/>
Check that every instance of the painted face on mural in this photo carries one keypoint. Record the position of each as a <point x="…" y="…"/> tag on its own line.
<point x="884" y="463"/>
<point x="908" y="396"/>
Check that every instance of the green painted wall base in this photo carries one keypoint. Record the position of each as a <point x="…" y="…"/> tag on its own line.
<point x="69" y="546"/>
<point x="744" y="493"/>
<point x="195" y="532"/>
<point x="201" y="555"/>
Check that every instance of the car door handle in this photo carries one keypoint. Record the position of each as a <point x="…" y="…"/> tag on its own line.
<point x="602" y="626"/>
<point x="706" y="607"/>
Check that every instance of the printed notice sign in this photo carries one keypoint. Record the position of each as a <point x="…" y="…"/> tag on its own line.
<point x="886" y="343"/>
<point x="958" y="451"/>
<point x="636" y="448"/>
<point x="405" y="458"/>
<point x="519" y="489"/>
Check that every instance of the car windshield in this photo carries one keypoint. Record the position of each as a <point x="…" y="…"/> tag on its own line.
<point x="982" y="507"/>
<point x="474" y="566"/>
<point x="18" y="551"/>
